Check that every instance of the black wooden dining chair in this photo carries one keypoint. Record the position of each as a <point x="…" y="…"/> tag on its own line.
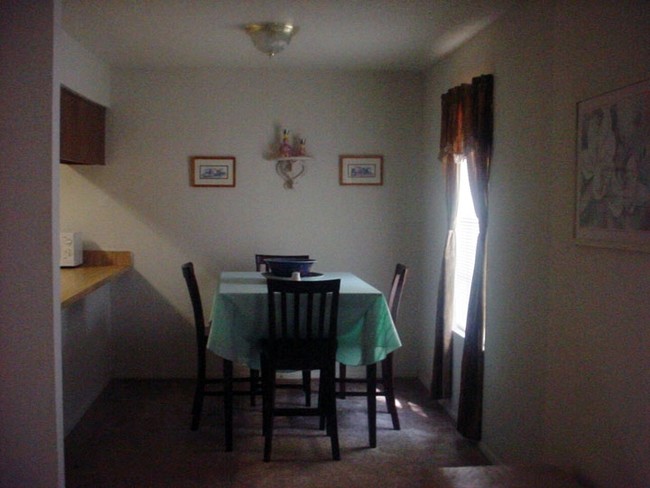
<point x="302" y="325"/>
<point x="206" y="386"/>
<point x="385" y="382"/>
<point x="260" y="265"/>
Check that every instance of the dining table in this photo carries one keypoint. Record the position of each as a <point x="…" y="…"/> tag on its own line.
<point x="366" y="333"/>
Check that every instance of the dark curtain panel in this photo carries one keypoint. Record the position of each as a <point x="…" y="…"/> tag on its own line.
<point x="442" y="356"/>
<point x="450" y="141"/>
<point x="467" y="122"/>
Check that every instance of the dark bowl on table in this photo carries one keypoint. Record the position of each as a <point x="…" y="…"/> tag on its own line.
<point x="285" y="267"/>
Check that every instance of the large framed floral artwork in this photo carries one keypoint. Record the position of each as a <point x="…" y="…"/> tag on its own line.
<point x="613" y="169"/>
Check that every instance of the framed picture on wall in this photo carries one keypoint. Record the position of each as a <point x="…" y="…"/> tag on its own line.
<point x="361" y="170"/>
<point x="212" y="171"/>
<point x="613" y="169"/>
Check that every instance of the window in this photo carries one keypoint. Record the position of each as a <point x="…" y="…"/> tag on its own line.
<point x="466" y="235"/>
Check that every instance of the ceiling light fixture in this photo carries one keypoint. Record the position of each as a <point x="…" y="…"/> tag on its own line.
<point x="271" y="37"/>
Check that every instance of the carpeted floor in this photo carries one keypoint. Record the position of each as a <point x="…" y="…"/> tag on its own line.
<point x="137" y="435"/>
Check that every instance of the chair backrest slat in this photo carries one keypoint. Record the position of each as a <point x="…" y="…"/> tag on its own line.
<point x="296" y="315"/>
<point x="197" y="307"/>
<point x="322" y="313"/>
<point x="303" y="312"/>
<point x="397" y="286"/>
<point x="310" y="315"/>
<point x="284" y="318"/>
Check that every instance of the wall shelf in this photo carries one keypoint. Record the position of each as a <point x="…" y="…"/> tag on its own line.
<point x="290" y="168"/>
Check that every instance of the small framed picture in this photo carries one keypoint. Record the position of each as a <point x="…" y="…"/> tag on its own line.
<point x="361" y="170"/>
<point x="212" y="171"/>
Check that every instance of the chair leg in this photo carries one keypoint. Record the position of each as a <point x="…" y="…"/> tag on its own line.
<point x="387" y="379"/>
<point x="228" y="396"/>
<point x="342" y="376"/>
<point x="199" y="390"/>
<point x="371" y="383"/>
<point x="268" y="405"/>
<point x="321" y="395"/>
<point x="306" y="386"/>
<point x="197" y="406"/>
<point x="265" y="401"/>
<point x="254" y="384"/>
<point x="332" y="422"/>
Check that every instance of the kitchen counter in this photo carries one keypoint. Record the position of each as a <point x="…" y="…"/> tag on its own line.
<point x="98" y="268"/>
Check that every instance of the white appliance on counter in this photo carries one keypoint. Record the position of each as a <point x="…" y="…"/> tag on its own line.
<point x="71" y="249"/>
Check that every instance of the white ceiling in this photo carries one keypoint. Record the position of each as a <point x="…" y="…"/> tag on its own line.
<point x="370" y="34"/>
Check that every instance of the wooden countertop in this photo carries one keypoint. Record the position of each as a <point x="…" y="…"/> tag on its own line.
<point x="99" y="268"/>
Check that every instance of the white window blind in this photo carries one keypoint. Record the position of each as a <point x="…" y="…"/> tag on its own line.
<point x="466" y="235"/>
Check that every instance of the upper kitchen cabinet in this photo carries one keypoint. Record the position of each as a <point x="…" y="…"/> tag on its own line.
<point x="83" y="128"/>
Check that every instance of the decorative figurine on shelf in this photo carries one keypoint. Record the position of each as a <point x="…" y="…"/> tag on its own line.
<point x="290" y="158"/>
<point x="285" y="147"/>
<point x="301" y="151"/>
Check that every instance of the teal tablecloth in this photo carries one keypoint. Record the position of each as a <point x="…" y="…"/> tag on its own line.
<point x="366" y="333"/>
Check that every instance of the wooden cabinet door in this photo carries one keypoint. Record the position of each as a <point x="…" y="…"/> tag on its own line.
<point x="83" y="128"/>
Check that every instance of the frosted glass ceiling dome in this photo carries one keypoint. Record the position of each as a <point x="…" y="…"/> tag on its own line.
<point x="271" y="37"/>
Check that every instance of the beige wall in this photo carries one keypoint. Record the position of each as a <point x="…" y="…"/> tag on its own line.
<point x="566" y="360"/>
<point x="31" y="425"/>
<point x="86" y="341"/>
<point x="87" y="352"/>
<point x="567" y="342"/>
<point x="599" y="297"/>
<point x="82" y="72"/>
<point x="142" y="201"/>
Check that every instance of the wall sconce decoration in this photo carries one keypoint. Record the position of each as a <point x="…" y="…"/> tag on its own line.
<point x="290" y="159"/>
